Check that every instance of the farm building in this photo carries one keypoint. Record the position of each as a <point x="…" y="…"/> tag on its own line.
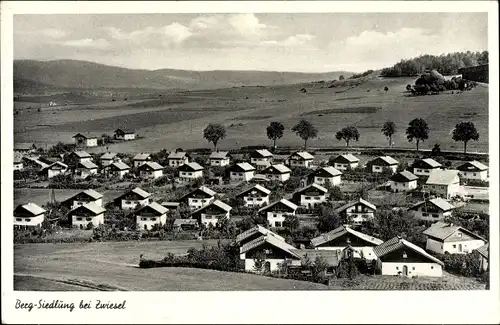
<point x="133" y="198"/>
<point x="219" y="158"/>
<point x="253" y="233"/>
<point x="483" y="256"/>
<point x="403" y="181"/>
<point x="257" y="195"/>
<point x="108" y="158"/>
<point x="199" y="197"/>
<point x="28" y="215"/>
<point x="444" y="183"/>
<point x="185" y="224"/>
<point x="189" y="172"/>
<point x="241" y="172"/>
<point x="57" y="168"/>
<point x="323" y="176"/>
<point x="79" y="156"/>
<point x="344" y="236"/>
<point x="24" y="148"/>
<point x="423" y="167"/>
<point x="150" y="169"/>
<point x="176" y="159"/>
<point x="171" y="206"/>
<point x="358" y="211"/>
<point x="124" y="134"/>
<point x="140" y="159"/>
<point x="473" y="170"/>
<point x="398" y="256"/>
<point x="277" y="211"/>
<point x="278" y="172"/>
<point x="85" y="169"/>
<point x="378" y="164"/>
<point x="261" y="158"/>
<point x="300" y="159"/>
<point x="18" y="161"/>
<point x="85" y="140"/>
<point x="149" y="215"/>
<point x="82" y="215"/>
<point x="345" y="162"/>
<point x="116" y="169"/>
<point x="310" y="196"/>
<point x="83" y="198"/>
<point x="435" y="209"/>
<point x="447" y="238"/>
<point x="212" y="213"/>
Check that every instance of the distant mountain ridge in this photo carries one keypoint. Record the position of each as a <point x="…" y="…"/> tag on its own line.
<point x="74" y="74"/>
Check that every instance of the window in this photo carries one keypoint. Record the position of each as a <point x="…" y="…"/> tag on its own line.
<point x="432" y="267"/>
<point x="208" y="217"/>
<point x="128" y="202"/>
<point x="79" y="219"/>
<point x="413" y="268"/>
<point x="195" y="201"/>
<point x="203" y="201"/>
<point x="459" y="234"/>
<point x="277" y="223"/>
<point x="454" y="246"/>
<point x="267" y="251"/>
<point x="397" y="268"/>
<point x="474" y="174"/>
<point x="275" y="215"/>
<point x="259" y="199"/>
<point x="153" y="219"/>
<point x="435" y="215"/>
<point x="190" y="174"/>
<point x="427" y="171"/>
<point x="19" y="219"/>
<point x="424" y="214"/>
<point x="317" y="198"/>
<point x="88" y="219"/>
<point x="307" y="198"/>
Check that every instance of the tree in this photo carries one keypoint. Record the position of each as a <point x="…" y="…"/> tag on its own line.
<point x="305" y="130"/>
<point x="465" y="131"/>
<point x="386" y="88"/>
<point x="389" y="129"/>
<point x="291" y="222"/>
<point x="213" y="133"/>
<point x="328" y="219"/>
<point x="275" y="131"/>
<point x="418" y="130"/>
<point x="341" y="77"/>
<point x="258" y="261"/>
<point x="408" y="87"/>
<point x="436" y="150"/>
<point x="348" y="133"/>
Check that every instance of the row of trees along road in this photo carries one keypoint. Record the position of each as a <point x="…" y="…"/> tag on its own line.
<point x="417" y="131"/>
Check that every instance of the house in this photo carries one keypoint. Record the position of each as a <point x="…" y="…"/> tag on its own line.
<point x="124" y="134"/>
<point x="403" y="181"/>
<point x="133" y="198"/>
<point x="212" y="213"/>
<point x="18" y="161"/>
<point x="310" y="196"/>
<point x="24" y="148"/>
<point x="57" y="168"/>
<point x="483" y="256"/>
<point x="185" y="224"/>
<point x="261" y="158"/>
<point x="241" y="172"/>
<point x="323" y="176"/>
<point x="28" y="215"/>
<point x="149" y="215"/>
<point x="82" y="215"/>
<point x="473" y="170"/>
<point x="140" y="159"/>
<point x="378" y="164"/>
<point x="219" y="158"/>
<point x="171" y="206"/>
<point x="300" y="159"/>
<point x="190" y="171"/>
<point x="34" y="162"/>
<point x="277" y="211"/>
<point x="444" y="183"/>
<point x="116" y="169"/>
<point x="447" y="238"/>
<point x="257" y="195"/>
<point x="277" y="172"/>
<point x="176" y="159"/>
<point x="253" y="233"/>
<point x="357" y="211"/>
<point x="199" y="197"/>
<point x="345" y="162"/>
<point x="398" y="256"/>
<point x="108" y="158"/>
<point x="343" y="237"/>
<point x="85" y="169"/>
<point x="85" y="140"/>
<point x="151" y="169"/>
<point x="423" y="167"/>
<point x="435" y="209"/>
<point x="83" y="198"/>
<point x="80" y="156"/>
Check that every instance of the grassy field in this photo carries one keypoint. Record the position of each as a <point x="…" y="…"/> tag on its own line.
<point x="178" y="120"/>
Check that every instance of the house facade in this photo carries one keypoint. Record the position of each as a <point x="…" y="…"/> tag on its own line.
<point x="190" y="171"/>
<point x="28" y="215"/>
<point x="444" y="183"/>
<point x="324" y="176"/>
<point x="276" y="212"/>
<point x="403" y="181"/>
<point x="219" y="158"/>
<point x="83" y="198"/>
<point x="176" y="159"/>
<point x="212" y="213"/>
<point x="91" y="213"/>
<point x="423" y="167"/>
<point x="358" y="211"/>
<point x="435" y="209"/>
<point x="108" y="158"/>
<point x="133" y="198"/>
<point x="123" y="134"/>
<point x="241" y="172"/>
<point x="80" y="156"/>
<point x="199" y="198"/>
<point x="261" y="158"/>
<point x="117" y="169"/>
<point x="345" y="162"/>
<point x="473" y="170"/>
<point x="278" y="173"/>
<point x="310" y="196"/>
<point x="150" y="215"/>
<point x="273" y="251"/>
<point x="141" y="159"/>
<point x="151" y="170"/>
<point x="255" y="196"/>
<point x="83" y="140"/>
<point x="57" y="168"/>
<point x="378" y="164"/>
<point x="85" y="169"/>
<point x="300" y="159"/>
<point x="447" y="238"/>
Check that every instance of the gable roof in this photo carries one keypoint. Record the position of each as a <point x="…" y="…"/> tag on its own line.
<point x="483" y="250"/>
<point x="108" y="156"/>
<point x="280" y="168"/>
<point x="141" y="156"/>
<point x="118" y="165"/>
<point x="350" y="204"/>
<point x="218" y="155"/>
<point x="271" y="240"/>
<point x="282" y="201"/>
<point x="404" y="176"/>
<point x="155" y="206"/>
<point x="92" y="207"/>
<point x="217" y="203"/>
<point x="203" y="189"/>
<point x="442" y="230"/>
<point x="91" y="193"/>
<point x="41" y="164"/>
<point x="151" y="164"/>
<point x="340" y="231"/>
<point x="348" y="157"/>
<point x="177" y="155"/>
<point x="32" y="208"/>
<point x="191" y="166"/>
<point x="396" y="243"/>
<point x="442" y="177"/>
<point x="313" y="185"/>
<point x="81" y="154"/>
<point x="256" y="187"/>
<point x="472" y="165"/>
<point x="254" y="230"/>
<point x="125" y="131"/>
<point x="244" y="166"/>
<point x="387" y="160"/>
<point x="427" y="162"/>
<point x="329" y="170"/>
<point x="438" y="202"/>
<point x="85" y="135"/>
<point x="24" y="146"/>
<point x="303" y="155"/>
<point x="87" y="164"/>
<point x="57" y="163"/>
<point x="264" y="153"/>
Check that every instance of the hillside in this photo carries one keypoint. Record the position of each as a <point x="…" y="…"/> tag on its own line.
<point x="31" y="76"/>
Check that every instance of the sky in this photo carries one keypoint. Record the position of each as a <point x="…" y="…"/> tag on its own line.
<point x="316" y="42"/>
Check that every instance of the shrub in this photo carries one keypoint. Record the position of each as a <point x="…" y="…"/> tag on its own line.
<point x="463" y="264"/>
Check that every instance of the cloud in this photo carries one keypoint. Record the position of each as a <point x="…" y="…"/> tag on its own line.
<point x="88" y="43"/>
<point x="53" y="33"/>
<point x="246" y="24"/>
<point x="298" y="40"/>
<point x="174" y="33"/>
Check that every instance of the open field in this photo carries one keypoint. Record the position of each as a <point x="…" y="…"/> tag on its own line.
<point x="179" y="120"/>
<point x="42" y="196"/>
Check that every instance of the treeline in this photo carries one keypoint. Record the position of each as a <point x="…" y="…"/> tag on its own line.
<point x="445" y="64"/>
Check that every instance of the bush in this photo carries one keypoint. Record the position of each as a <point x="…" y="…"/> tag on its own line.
<point x="463" y="264"/>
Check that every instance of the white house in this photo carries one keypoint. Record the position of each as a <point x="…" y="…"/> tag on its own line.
<point x="345" y="162"/>
<point x="199" y="197"/>
<point x="141" y="158"/>
<point x="278" y="172"/>
<point x="190" y="171"/>
<point x="241" y="172"/>
<point x="323" y="176"/>
<point x="378" y="164"/>
<point x="83" y="198"/>
<point x="277" y="211"/>
<point x="108" y="158"/>
<point x="257" y="195"/>
<point x="28" y="215"/>
<point x="310" y="196"/>
<point x="444" y="183"/>
<point x="423" y="167"/>
<point x="151" y="169"/>
<point x="123" y="134"/>
<point x="253" y="233"/>
<point x="483" y="257"/>
<point x="18" y="161"/>
<point x="80" y="156"/>
<point x="473" y="170"/>
<point x="85" y="140"/>
<point x="150" y="215"/>
<point x="357" y="211"/>
<point x="435" y="209"/>
<point x="82" y="215"/>
<point x="403" y="181"/>
<point x="219" y="158"/>
<point x="116" y="169"/>
<point x="343" y="237"/>
<point x="212" y="213"/>
<point x="57" y="168"/>
<point x="176" y="159"/>
<point x="447" y="238"/>
<point x="261" y="158"/>
<point x="398" y="256"/>
<point x="85" y="169"/>
<point x="300" y="159"/>
<point x="133" y="198"/>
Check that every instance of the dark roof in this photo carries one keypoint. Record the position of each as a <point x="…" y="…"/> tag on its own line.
<point x="403" y="177"/>
<point x="340" y="231"/>
<point x="271" y="240"/>
<point x="223" y="206"/>
<point x="396" y="243"/>
<point x="85" y="135"/>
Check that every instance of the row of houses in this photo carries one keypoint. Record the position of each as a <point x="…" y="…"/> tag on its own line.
<point x="91" y="140"/>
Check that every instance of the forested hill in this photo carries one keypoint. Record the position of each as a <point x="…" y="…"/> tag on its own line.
<point x="446" y="64"/>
